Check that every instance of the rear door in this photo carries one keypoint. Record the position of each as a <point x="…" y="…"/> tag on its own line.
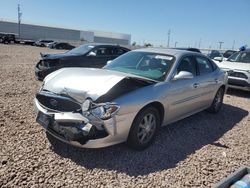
<point x="207" y="79"/>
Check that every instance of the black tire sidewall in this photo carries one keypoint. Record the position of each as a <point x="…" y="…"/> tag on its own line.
<point x="133" y="140"/>
<point x="213" y="108"/>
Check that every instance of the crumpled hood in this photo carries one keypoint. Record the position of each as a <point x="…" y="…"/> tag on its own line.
<point x="82" y="83"/>
<point x="234" y="65"/>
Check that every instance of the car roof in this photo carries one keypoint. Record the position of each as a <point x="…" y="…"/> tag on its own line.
<point x="167" y="51"/>
<point x="101" y="44"/>
<point x="106" y="44"/>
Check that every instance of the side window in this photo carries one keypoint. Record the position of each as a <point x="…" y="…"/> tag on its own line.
<point x="187" y="64"/>
<point x="204" y="65"/>
<point x="117" y="51"/>
<point x="102" y="51"/>
<point x="120" y="51"/>
<point x="245" y="57"/>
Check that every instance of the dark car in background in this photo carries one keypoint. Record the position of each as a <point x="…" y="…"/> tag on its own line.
<point x="61" y="45"/>
<point x="88" y="55"/>
<point x="228" y="53"/>
<point x="214" y="53"/>
<point x="7" y="38"/>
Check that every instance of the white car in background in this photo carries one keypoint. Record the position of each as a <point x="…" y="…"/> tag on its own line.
<point x="238" y="69"/>
<point x="224" y="56"/>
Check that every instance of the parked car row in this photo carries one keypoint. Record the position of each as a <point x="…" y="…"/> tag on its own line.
<point x="126" y="100"/>
<point x="60" y="45"/>
<point x="54" y="44"/>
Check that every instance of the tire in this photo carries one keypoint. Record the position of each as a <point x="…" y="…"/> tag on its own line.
<point x="217" y="102"/>
<point x="142" y="134"/>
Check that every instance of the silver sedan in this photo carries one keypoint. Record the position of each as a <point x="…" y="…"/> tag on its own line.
<point x="130" y="98"/>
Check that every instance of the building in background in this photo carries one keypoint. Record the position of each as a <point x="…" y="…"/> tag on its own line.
<point x="36" y="32"/>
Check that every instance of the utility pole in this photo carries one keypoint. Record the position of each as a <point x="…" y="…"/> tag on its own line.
<point x="233" y="45"/>
<point x="169" y="33"/>
<point x="175" y="44"/>
<point x="200" y="43"/>
<point x="220" y="42"/>
<point x="19" y="14"/>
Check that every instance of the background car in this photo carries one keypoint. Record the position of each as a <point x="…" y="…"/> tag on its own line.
<point x="7" y="38"/>
<point x="238" y="69"/>
<point x="214" y="53"/>
<point x="228" y="53"/>
<point x="130" y="98"/>
<point x="51" y="44"/>
<point x="87" y="55"/>
<point x="224" y="56"/>
<point x="62" y="45"/>
<point x="43" y="43"/>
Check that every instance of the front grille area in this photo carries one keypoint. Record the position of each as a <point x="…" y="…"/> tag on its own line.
<point x="237" y="74"/>
<point x="57" y="102"/>
<point x="241" y="83"/>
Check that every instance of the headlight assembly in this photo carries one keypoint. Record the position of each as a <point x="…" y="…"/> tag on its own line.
<point x="86" y="105"/>
<point x="104" y="111"/>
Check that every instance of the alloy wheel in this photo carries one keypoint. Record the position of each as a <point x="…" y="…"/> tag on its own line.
<point x="146" y="128"/>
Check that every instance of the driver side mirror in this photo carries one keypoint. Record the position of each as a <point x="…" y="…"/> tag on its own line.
<point x="92" y="54"/>
<point x="183" y="75"/>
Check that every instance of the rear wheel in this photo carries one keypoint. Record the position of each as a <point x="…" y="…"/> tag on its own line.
<point x="144" y="128"/>
<point x="217" y="102"/>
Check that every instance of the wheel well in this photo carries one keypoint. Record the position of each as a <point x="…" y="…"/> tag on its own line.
<point x="224" y="88"/>
<point x="158" y="106"/>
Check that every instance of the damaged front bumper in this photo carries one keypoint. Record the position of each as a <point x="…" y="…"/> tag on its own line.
<point x="82" y="131"/>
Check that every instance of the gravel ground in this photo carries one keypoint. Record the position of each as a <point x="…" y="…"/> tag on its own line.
<point x="195" y="152"/>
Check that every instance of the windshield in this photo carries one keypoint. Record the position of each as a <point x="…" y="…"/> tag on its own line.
<point x="149" y="65"/>
<point x="81" y="49"/>
<point x="242" y="57"/>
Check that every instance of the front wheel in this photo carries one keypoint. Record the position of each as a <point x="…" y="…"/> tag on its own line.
<point x="144" y="128"/>
<point x="217" y="102"/>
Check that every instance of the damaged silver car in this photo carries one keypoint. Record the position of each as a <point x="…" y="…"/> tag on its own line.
<point x="130" y="98"/>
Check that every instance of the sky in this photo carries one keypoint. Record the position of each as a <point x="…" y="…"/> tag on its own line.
<point x="196" y="23"/>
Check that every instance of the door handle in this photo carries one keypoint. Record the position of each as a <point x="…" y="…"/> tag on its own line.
<point x="216" y="81"/>
<point x="195" y="85"/>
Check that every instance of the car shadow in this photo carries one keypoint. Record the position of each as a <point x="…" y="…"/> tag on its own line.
<point x="239" y="93"/>
<point x="172" y="145"/>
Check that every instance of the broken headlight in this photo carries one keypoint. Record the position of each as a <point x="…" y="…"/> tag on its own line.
<point x="86" y="105"/>
<point x="104" y="111"/>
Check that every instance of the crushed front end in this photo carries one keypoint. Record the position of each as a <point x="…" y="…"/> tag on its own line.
<point x="86" y="124"/>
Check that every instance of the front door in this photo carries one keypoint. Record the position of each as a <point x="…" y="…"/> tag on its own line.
<point x="184" y="95"/>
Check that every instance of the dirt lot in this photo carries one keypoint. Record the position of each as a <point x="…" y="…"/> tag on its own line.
<point x="195" y="152"/>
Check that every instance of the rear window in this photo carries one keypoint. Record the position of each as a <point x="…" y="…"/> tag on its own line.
<point x="204" y="65"/>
